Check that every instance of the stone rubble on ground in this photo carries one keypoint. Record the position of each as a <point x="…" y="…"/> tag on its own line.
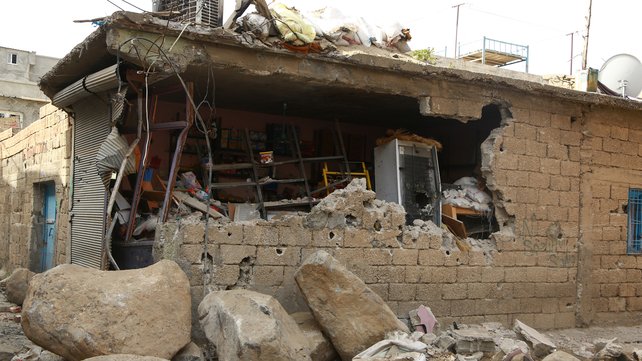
<point x="36" y="353"/>
<point x="124" y="357"/>
<point x="542" y="344"/>
<point x="249" y="326"/>
<point x="321" y="348"/>
<point x="191" y="352"/>
<point x="16" y="285"/>
<point x="607" y="349"/>
<point x="352" y="315"/>
<point x="140" y="315"/>
<point x="79" y="313"/>
<point x="472" y="339"/>
<point x="560" y="356"/>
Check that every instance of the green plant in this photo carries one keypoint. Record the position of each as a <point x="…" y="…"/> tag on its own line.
<point x="426" y="55"/>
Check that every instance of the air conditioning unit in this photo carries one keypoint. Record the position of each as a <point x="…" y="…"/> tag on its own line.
<point x="407" y="173"/>
<point x="200" y="12"/>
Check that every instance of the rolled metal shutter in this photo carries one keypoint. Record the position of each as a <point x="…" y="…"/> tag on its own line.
<point x="89" y="198"/>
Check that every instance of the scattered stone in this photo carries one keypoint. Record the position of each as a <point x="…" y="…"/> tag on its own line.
<point x="542" y="345"/>
<point x="17" y="285"/>
<point x="348" y="311"/>
<point x="250" y="326"/>
<point x="473" y="339"/>
<point x="560" y="356"/>
<point x="191" y="352"/>
<point x="607" y="349"/>
<point x="79" y="313"/>
<point x="125" y="357"/>
<point x="508" y="345"/>
<point x="474" y="357"/>
<point x="320" y="347"/>
<point x="445" y="342"/>
<point x="429" y="338"/>
<point x="423" y="320"/>
<point x="34" y="353"/>
<point x="517" y="355"/>
<point x="637" y="355"/>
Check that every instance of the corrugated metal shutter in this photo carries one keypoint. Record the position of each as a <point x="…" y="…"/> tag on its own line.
<point x="89" y="197"/>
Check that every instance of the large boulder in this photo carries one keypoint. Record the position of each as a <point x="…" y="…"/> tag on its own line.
<point x="321" y="348"/>
<point x="250" y="326"/>
<point x="350" y="313"/>
<point x="17" y="284"/>
<point x="79" y="313"/>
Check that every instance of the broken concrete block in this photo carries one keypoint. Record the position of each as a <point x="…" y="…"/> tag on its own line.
<point x="321" y="348"/>
<point x="191" y="352"/>
<point x="428" y="338"/>
<point x="125" y="357"/>
<point x="17" y="285"/>
<point x="349" y="312"/>
<point x="542" y="345"/>
<point x="474" y="357"/>
<point x="423" y="320"/>
<point x="445" y="342"/>
<point x="560" y="356"/>
<point x="473" y="339"/>
<point x="79" y="313"/>
<point x="250" y="326"/>
<point x="508" y="345"/>
<point x="607" y="349"/>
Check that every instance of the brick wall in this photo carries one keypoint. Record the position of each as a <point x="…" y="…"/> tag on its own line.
<point x="38" y="153"/>
<point x="613" y="148"/>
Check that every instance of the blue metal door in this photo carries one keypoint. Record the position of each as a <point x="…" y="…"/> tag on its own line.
<point x="49" y="213"/>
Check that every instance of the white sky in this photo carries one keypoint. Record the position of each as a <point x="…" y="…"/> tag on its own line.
<point x="47" y="27"/>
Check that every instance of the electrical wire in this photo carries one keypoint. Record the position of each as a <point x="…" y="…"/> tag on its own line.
<point x="111" y="2"/>
<point x="163" y="54"/>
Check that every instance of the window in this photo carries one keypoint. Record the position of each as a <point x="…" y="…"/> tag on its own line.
<point x="634" y="240"/>
<point x="13" y="58"/>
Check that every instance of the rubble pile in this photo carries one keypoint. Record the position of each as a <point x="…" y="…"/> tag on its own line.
<point x="143" y="315"/>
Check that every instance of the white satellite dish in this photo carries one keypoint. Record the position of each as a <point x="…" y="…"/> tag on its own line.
<point x="622" y="75"/>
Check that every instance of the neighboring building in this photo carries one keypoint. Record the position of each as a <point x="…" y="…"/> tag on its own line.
<point x="20" y="97"/>
<point x="564" y="169"/>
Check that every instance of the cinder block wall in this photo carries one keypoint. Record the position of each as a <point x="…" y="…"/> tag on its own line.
<point x="612" y="165"/>
<point x="38" y="153"/>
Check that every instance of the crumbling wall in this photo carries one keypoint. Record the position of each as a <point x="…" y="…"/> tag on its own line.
<point x="406" y="265"/>
<point x="38" y="153"/>
<point x="612" y="163"/>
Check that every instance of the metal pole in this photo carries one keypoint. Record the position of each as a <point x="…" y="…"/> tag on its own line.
<point x="572" y="36"/>
<point x="457" y="27"/>
<point x="484" y="51"/>
<point x="586" y="36"/>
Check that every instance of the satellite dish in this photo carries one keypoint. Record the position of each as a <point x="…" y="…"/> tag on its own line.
<point x="621" y="75"/>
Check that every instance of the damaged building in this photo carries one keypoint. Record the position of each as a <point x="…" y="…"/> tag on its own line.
<point x="497" y="197"/>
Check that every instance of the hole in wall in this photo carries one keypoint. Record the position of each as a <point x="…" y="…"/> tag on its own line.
<point x="331" y="235"/>
<point x="377" y="225"/>
<point x="447" y="253"/>
<point x="229" y="234"/>
<point x="351" y="220"/>
<point x="279" y="251"/>
<point x="207" y="256"/>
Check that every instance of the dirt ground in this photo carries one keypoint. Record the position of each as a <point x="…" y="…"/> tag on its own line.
<point x="579" y="341"/>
